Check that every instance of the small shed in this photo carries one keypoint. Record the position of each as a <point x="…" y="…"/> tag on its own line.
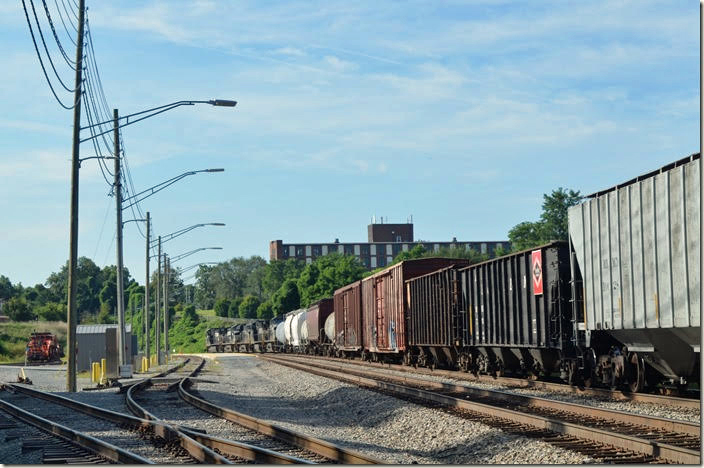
<point x="96" y="342"/>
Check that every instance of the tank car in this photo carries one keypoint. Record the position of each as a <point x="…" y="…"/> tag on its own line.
<point x="636" y="268"/>
<point x="318" y="313"/>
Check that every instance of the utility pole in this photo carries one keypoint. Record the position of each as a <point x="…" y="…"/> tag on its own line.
<point x="158" y="305"/>
<point x="72" y="313"/>
<point x="166" y="306"/>
<point x="121" y="345"/>
<point x="145" y="308"/>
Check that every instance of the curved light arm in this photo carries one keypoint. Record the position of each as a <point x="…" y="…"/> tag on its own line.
<point x="133" y="220"/>
<point x="138" y="197"/>
<point x="154" y="111"/>
<point x="188" y="268"/>
<point x="175" y="234"/>
<point x="184" y="255"/>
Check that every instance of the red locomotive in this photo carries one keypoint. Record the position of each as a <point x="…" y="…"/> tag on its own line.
<point x="43" y="348"/>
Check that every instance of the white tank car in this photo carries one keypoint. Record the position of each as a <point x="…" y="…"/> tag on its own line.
<point x="280" y="333"/>
<point x="293" y="328"/>
<point x="288" y="335"/>
<point x="301" y="327"/>
<point x="330" y="328"/>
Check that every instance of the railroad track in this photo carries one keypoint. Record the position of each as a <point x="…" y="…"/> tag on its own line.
<point x="266" y="442"/>
<point x="601" y="393"/>
<point x="607" y="435"/>
<point x="58" y="444"/>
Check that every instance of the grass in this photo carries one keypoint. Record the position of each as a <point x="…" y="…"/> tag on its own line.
<point x="15" y="335"/>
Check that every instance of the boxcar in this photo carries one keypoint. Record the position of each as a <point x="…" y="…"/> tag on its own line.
<point x="516" y="311"/>
<point x="384" y="304"/>
<point x="637" y="254"/>
<point x="348" y="318"/>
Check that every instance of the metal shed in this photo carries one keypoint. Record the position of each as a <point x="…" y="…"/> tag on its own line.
<point x="96" y="342"/>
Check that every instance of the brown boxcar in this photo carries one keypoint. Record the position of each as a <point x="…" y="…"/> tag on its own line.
<point x="384" y="303"/>
<point x="315" y="320"/>
<point x="348" y="317"/>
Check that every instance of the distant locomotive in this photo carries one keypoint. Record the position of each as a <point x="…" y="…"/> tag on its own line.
<point x="43" y="348"/>
<point x="618" y="304"/>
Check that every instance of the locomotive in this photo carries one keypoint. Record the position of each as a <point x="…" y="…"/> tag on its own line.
<point x="43" y="348"/>
<point x="617" y="304"/>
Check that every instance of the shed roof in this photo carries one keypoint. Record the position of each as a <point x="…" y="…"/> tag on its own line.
<point x="100" y="328"/>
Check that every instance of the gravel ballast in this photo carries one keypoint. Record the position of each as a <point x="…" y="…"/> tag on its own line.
<point x="366" y="421"/>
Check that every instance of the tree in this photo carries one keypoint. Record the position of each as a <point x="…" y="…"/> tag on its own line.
<point x="554" y="217"/>
<point x="234" y="309"/>
<point x="278" y="271"/>
<point x="248" y="307"/>
<point x="265" y="310"/>
<point x="326" y="274"/>
<point x="52" y="312"/>
<point x="552" y="224"/>
<point x="6" y="289"/>
<point x="221" y="307"/>
<point x="525" y="235"/>
<point x="287" y="298"/>
<point x="189" y="316"/>
<point x="417" y="251"/>
<point x="18" y="309"/>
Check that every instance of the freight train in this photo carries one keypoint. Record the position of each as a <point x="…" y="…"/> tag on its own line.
<point x="617" y="304"/>
<point x="43" y="348"/>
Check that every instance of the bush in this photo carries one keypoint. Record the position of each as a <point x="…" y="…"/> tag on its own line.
<point x="18" y="310"/>
<point x="52" y="312"/>
<point x="234" y="311"/>
<point x="265" y="310"/>
<point x="248" y="307"/>
<point x="222" y="306"/>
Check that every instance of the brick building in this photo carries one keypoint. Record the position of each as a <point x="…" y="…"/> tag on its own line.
<point x="384" y="242"/>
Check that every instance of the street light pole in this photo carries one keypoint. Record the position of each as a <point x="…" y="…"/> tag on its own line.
<point x="145" y="309"/>
<point x="158" y="304"/>
<point x="166" y="307"/>
<point x="72" y="313"/>
<point x="121" y="358"/>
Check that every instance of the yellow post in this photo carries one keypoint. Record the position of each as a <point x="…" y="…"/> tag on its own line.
<point x="103" y="364"/>
<point x="145" y="364"/>
<point x="95" y="372"/>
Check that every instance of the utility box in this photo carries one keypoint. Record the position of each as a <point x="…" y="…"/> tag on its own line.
<point x="96" y="342"/>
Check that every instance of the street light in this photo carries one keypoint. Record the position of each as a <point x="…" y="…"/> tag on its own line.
<point x="180" y="232"/>
<point x="167" y="274"/>
<point x="72" y="316"/>
<point x="184" y="255"/>
<point x="156" y="111"/>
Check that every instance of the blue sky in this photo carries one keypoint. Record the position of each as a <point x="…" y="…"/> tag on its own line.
<point x="460" y="113"/>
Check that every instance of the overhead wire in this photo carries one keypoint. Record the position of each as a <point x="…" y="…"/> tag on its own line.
<point x="68" y="60"/>
<point x="70" y="36"/>
<point x="41" y="62"/>
<point x="46" y="49"/>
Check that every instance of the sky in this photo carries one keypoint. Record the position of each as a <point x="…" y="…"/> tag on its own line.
<point x="461" y="114"/>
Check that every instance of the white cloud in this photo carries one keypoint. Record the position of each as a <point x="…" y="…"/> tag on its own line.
<point x="339" y="65"/>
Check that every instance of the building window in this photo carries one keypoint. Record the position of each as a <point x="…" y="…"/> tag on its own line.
<point x="395" y="249"/>
<point x="317" y="251"/>
<point x="398" y="239"/>
<point x="365" y="262"/>
<point x="364" y="249"/>
<point x="381" y="261"/>
<point x="300" y="251"/>
<point x="308" y="251"/>
<point x="356" y="250"/>
<point x="483" y="247"/>
<point x="349" y="249"/>
<point x="284" y="253"/>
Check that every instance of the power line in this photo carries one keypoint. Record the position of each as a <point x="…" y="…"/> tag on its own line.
<point x="46" y="49"/>
<point x="64" y="23"/>
<point x="41" y="62"/>
<point x="70" y="62"/>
